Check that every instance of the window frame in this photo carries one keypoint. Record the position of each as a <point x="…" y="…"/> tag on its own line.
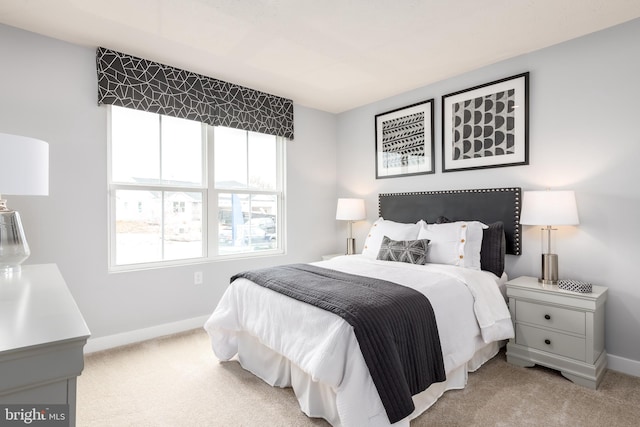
<point x="214" y="193"/>
<point x="210" y="194"/>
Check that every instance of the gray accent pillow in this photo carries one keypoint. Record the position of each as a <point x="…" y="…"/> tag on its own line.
<point x="410" y="251"/>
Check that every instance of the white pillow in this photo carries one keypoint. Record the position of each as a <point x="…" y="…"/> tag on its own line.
<point x="391" y="229"/>
<point x="454" y="243"/>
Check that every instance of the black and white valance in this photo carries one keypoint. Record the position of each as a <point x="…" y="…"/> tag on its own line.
<point x="133" y="82"/>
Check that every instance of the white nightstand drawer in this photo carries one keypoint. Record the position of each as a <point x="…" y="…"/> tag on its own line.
<point x="553" y="342"/>
<point x="551" y="317"/>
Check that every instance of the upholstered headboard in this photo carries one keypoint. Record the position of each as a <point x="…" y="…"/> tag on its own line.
<point x="485" y="205"/>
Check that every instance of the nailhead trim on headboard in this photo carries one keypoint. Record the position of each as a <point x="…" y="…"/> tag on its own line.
<point x="513" y="217"/>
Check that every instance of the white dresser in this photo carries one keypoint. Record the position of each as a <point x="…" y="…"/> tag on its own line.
<point x="42" y="335"/>
<point x="558" y="329"/>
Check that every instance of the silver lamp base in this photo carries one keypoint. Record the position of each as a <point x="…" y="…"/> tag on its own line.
<point x="14" y="249"/>
<point x="549" y="269"/>
<point x="351" y="246"/>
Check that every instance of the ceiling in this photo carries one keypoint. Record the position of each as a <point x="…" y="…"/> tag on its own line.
<point x="332" y="55"/>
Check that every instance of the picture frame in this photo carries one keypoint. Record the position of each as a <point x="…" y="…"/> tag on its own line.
<point x="486" y="126"/>
<point x="404" y="141"/>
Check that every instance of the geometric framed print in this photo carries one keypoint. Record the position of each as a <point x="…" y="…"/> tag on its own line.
<point x="404" y="141"/>
<point x="486" y="126"/>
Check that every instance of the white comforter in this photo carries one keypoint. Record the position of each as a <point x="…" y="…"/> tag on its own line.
<point x="468" y="306"/>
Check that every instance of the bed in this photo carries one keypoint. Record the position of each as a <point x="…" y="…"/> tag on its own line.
<point x="288" y="343"/>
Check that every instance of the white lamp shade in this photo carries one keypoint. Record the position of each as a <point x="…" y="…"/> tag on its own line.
<point x="549" y="208"/>
<point x="350" y="209"/>
<point x="24" y="166"/>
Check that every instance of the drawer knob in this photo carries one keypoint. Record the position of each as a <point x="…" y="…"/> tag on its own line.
<point x="547" y="342"/>
<point x="548" y="317"/>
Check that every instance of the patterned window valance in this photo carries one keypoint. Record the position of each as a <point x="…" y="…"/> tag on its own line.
<point x="132" y="82"/>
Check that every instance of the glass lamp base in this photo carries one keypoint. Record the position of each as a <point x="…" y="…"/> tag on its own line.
<point x="14" y="249"/>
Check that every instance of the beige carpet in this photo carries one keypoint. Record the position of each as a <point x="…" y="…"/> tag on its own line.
<point x="177" y="381"/>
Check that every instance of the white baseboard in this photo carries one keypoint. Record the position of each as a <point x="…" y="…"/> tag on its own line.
<point x="117" y="340"/>
<point x="621" y="364"/>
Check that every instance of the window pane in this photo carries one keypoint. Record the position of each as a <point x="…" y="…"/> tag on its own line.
<point x="262" y="161"/>
<point x="230" y="156"/>
<point x="135" y="142"/>
<point x="246" y="223"/>
<point x="138" y="219"/>
<point x="139" y="226"/>
<point x="182" y="225"/>
<point x="181" y="151"/>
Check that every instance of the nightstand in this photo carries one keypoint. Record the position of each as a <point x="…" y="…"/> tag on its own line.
<point x="558" y="329"/>
<point x="328" y="257"/>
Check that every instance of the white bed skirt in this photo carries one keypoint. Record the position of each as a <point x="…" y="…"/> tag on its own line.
<point x="320" y="400"/>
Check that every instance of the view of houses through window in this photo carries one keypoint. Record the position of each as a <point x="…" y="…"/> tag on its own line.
<point x="182" y="190"/>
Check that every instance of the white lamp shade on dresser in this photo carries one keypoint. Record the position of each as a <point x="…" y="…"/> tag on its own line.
<point x="25" y="166"/>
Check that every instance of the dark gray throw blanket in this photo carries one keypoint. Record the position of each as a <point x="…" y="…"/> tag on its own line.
<point x="395" y="326"/>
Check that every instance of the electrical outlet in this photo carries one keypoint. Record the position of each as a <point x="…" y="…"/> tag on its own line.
<point x="197" y="278"/>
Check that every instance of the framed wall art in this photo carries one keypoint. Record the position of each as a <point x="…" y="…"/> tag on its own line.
<point x="404" y="141"/>
<point x="486" y="126"/>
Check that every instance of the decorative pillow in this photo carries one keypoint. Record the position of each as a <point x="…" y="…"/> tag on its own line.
<point x="411" y="251"/>
<point x="494" y="246"/>
<point x="493" y="249"/>
<point x="455" y="243"/>
<point x="442" y="220"/>
<point x="395" y="231"/>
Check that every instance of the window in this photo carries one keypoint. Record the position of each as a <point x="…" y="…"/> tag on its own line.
<point x="184" y="191"/>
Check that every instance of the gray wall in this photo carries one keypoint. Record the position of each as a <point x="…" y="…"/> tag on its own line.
<point x="584" y="113"/>
<point x="48" y="90"/>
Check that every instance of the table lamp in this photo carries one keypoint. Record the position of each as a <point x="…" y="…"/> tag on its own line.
<point x="549" y="208"/>
<point x="350" y="210"/>
<point x="24" y="171"/>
